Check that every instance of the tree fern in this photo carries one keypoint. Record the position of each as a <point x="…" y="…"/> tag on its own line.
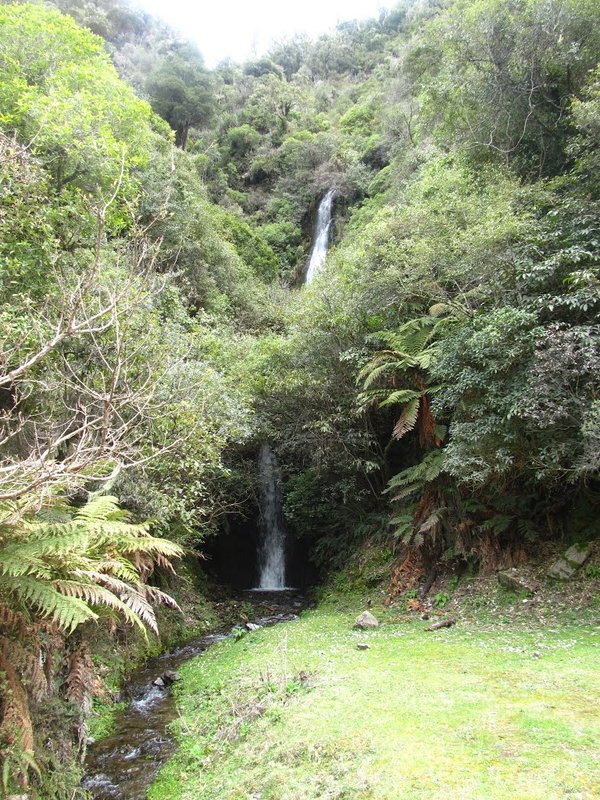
<point x="401" y="367"/>
<point x="414" y="478"/>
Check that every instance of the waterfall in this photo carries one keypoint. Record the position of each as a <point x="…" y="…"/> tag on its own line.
<point x="271" y="552"/>
<point x="319" y="251"/>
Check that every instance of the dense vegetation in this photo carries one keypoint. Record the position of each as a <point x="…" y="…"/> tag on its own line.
<point x="435" y="388"/>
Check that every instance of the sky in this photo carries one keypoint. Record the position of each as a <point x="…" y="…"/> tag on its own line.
<point x="239" y="29"/>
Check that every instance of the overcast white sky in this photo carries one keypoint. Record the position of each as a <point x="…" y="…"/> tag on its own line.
<point x="238" y="29"/>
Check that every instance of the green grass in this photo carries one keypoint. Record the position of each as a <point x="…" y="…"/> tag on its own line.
<point x="478" y="711"/>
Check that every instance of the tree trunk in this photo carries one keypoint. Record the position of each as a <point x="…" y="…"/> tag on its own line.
<point x="181" y="135"/>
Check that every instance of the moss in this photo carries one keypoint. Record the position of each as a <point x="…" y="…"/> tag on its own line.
<point x="102" y="718"/>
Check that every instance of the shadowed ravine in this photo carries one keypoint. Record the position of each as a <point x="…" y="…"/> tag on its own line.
<point x="123" y="765"/>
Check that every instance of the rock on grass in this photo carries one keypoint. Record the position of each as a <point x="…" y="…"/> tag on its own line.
<point x="366" y="620"/>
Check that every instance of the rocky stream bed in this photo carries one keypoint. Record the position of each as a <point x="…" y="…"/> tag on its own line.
<point x="123" y="765"/>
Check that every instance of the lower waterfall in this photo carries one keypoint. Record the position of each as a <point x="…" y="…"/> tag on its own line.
<point x="272" y="546"/>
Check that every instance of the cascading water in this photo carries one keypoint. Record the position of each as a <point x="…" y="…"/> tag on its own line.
<point x="271" y="552"/>
<point x="322" y="229"/>
<point x="272" y="546"/>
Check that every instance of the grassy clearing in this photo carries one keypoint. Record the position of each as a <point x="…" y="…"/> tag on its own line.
<point x="481" y="710"/>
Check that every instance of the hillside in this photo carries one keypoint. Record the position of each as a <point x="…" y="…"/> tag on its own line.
<point x="174" y="380"/>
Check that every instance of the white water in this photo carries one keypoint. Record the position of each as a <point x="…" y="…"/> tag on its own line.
<point x="271" y="552"/>
<point x="322" y="229"/>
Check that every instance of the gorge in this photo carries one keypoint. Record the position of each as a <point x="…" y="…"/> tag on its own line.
<point x="202" y="404"/>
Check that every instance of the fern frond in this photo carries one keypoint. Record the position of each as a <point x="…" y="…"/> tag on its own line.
<point x="407" y="419"/>
<point x="67" y="563"/>
<point x="11" y="619"/>
<point x="404" y="528"/>
<point x="22" y="557"/>
<point x="119" y="569"/>
<point x="400" y="396"/>
<point x="498" y="523"/>
<point x="428" y="469"/>
<point x="432" y="521"/>
<point x="372" y="397"/>
<point x="99" y="596"/>
<point x="101" y="508"/>
<point x="378" y="366"/>
<point x="402" y="494"/>
<point x="151" y="545"/>
<point x="141" y="608"/>
<point x="154" y="595"/>
<point x="80" y="679"/>
<point x="66" y="612"/>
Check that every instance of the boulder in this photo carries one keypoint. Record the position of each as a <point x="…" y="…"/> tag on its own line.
<point x="566" y="566"/>
<point x="578" y="554"/>
<point x="561" y="570"/>
<point x="366" y="620"/>
<point x="362" y="646"/>
<point x="252" y="626"/>
<point x="170" y="676"/>
<point x="159" y="682"/>
<point x="511" y="579"/>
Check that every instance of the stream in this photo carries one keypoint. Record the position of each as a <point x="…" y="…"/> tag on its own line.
<point x="123" y="765"/>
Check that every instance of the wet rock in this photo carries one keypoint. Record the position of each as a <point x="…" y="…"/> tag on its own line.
<point x="362" y="646"/>
<point x="252" y="626"/>
<point x="366" y="620"/>
<point x="566" y="567"/>
<point x="168" y="677"/>
<point x="511" y="579"/>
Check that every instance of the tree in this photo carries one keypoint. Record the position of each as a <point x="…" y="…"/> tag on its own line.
<point x="507" y="76"/>
<point x="180" y="91"/>
<point x="59" y="92"/>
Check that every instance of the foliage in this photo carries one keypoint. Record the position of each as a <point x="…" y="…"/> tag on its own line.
<point x="62" y="567"/>
<point x="180" y="91"/>
<point x="68" y="565"/>
<point x="60" y="91"/>
<point x="507" y="75"/>
<point x="434" y="391"/>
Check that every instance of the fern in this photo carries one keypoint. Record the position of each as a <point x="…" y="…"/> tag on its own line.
<point x="410" y="352"/>
<point x="400" y="396"/>
<point x="498" y="523"/>
<point x="432" y="521"/>
<point x="428" y="469"/>
<point x="71" y="565"/>
<point x="408" y="419"/>
<point x="45" y="601"/>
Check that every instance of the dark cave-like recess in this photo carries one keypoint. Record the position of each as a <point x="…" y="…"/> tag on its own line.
<point x="232" y="557"/>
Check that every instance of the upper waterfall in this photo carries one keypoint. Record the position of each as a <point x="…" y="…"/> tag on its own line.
<point x="321" y="240"/>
